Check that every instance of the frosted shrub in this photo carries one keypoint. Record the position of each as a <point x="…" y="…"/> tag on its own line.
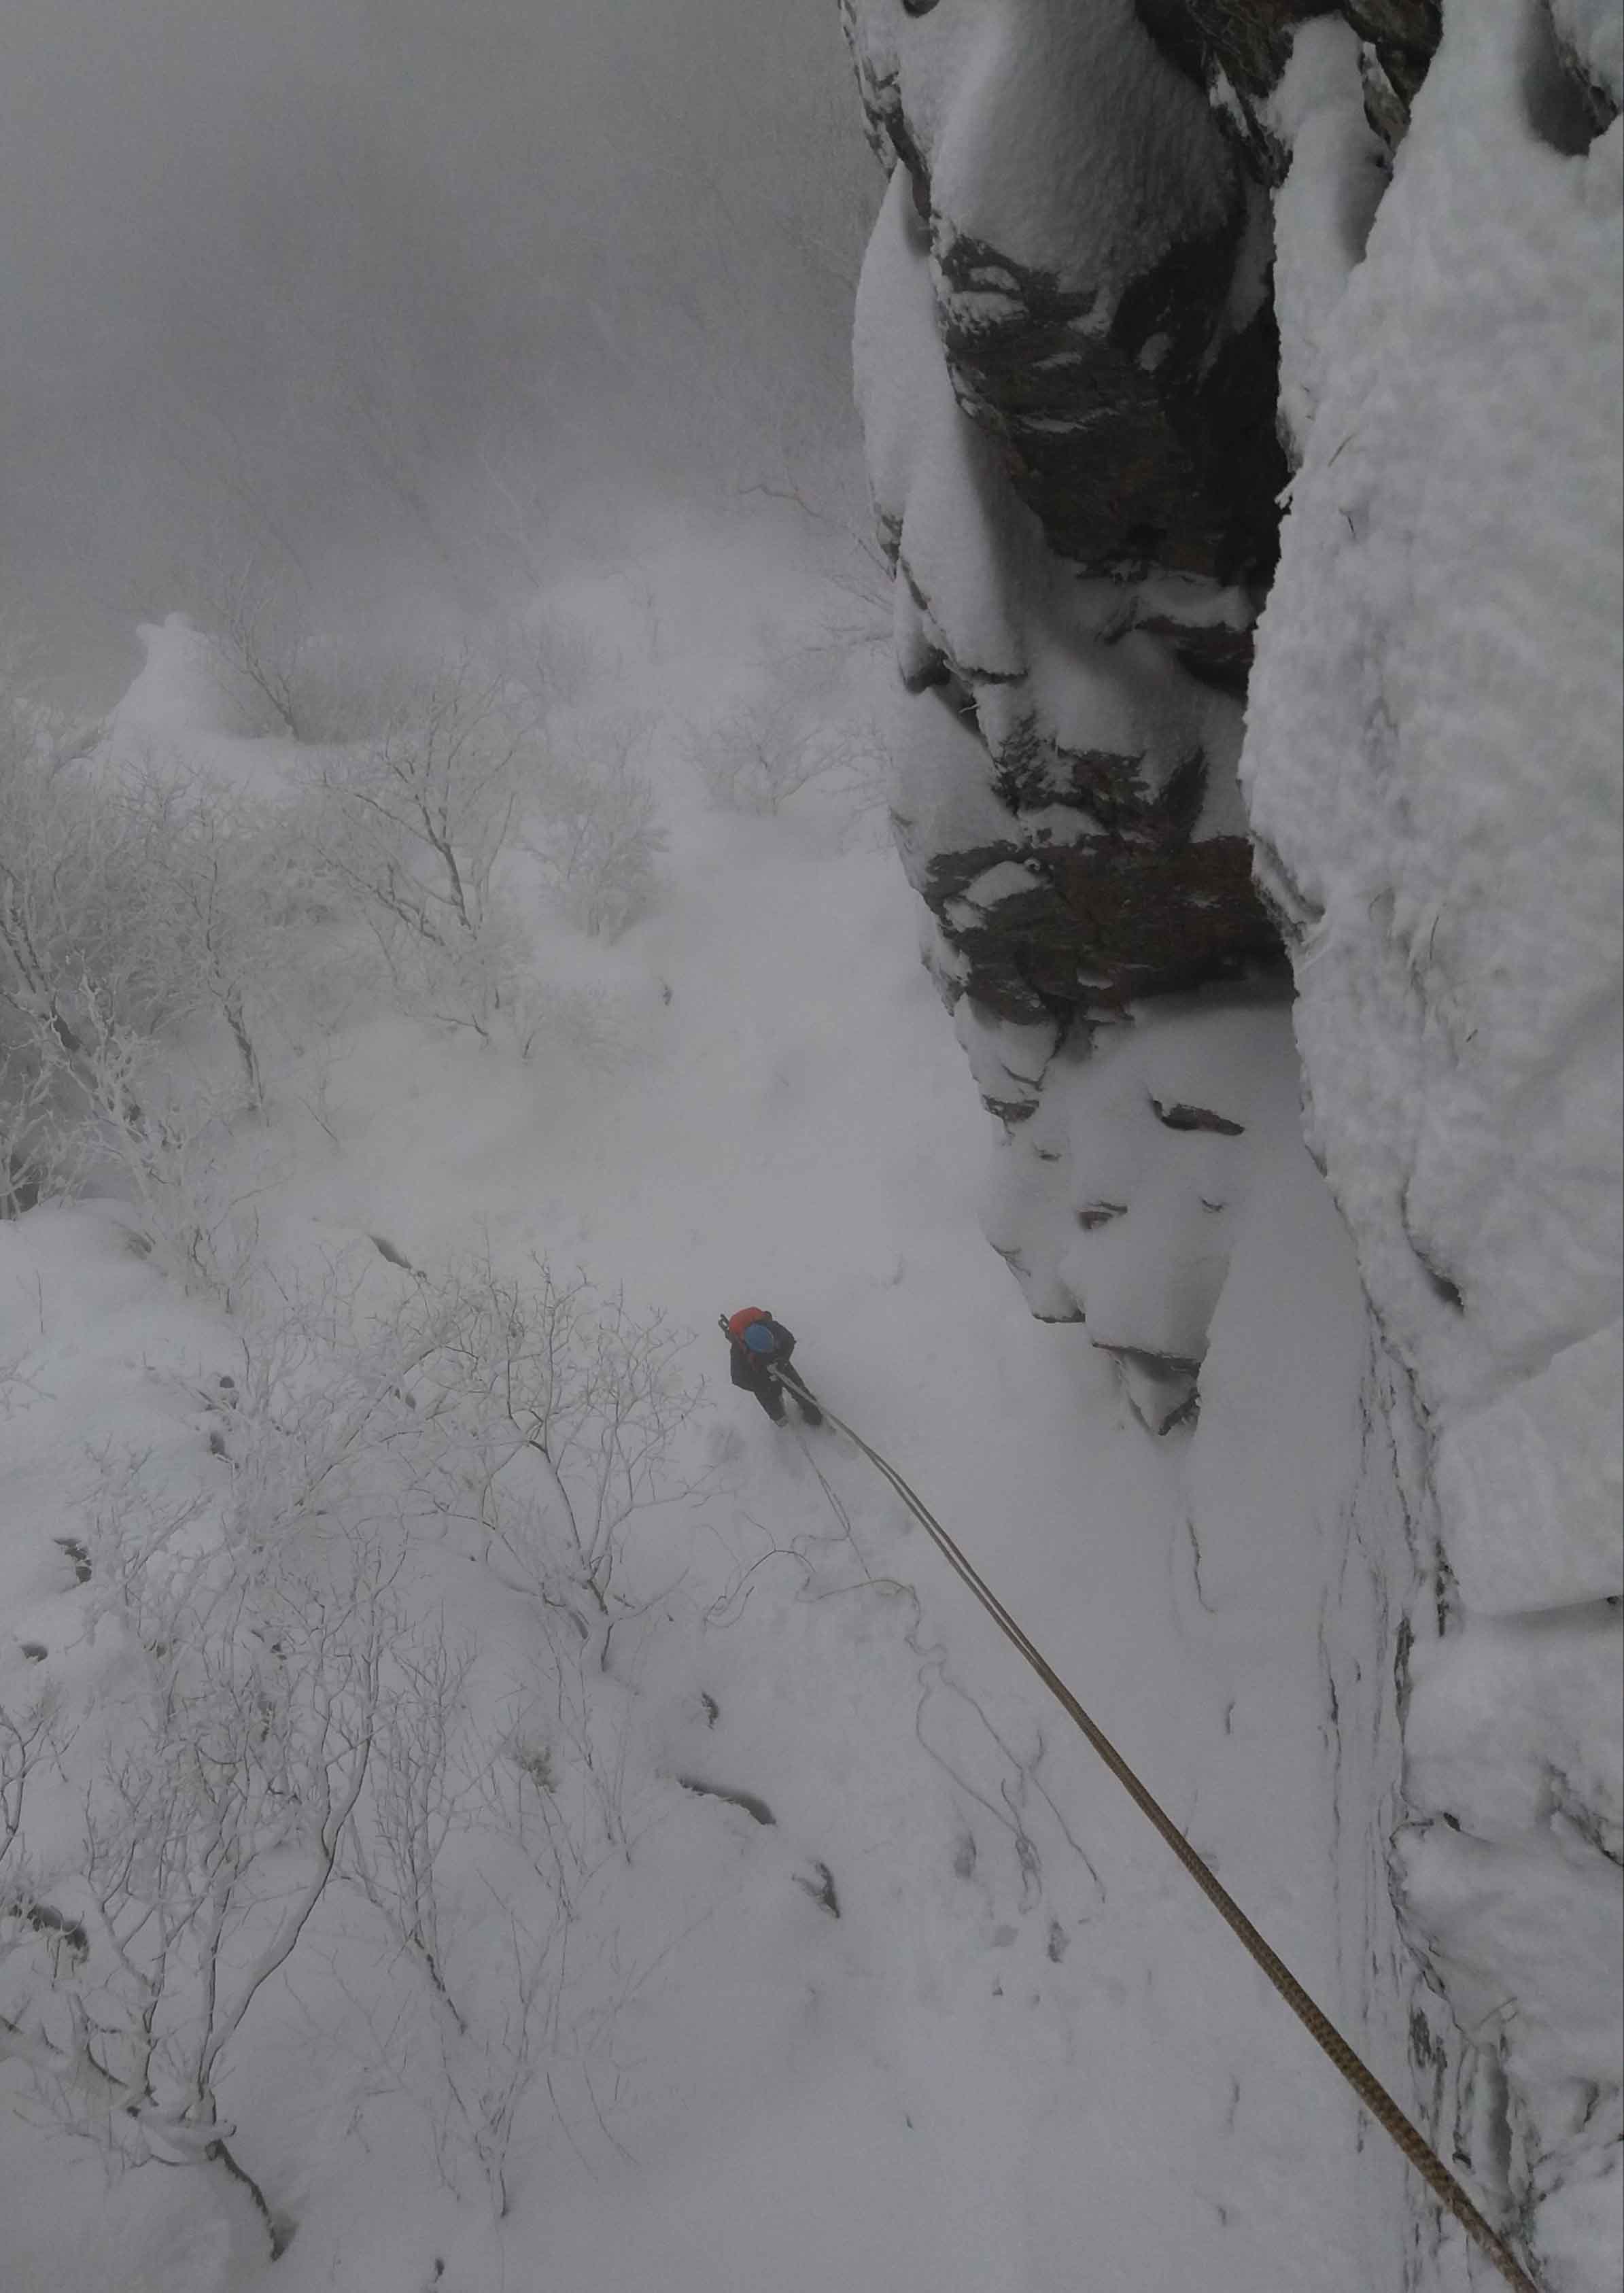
<point x="599" y="831"/>
<point x="210" y="1837"/>
<point x="219" y="876"/>
<point x="76" y="905"/>
<point x="254" y="611"/>
<point x="157" y="1135"/>
<point x="142" y="898"/>
<point x="412" y="824"/>
<point x="491" y="1974"/>
<point x="273" y="1725"/>
<point x="24" y="1741"/>
<point x="862" y="776"/>
<point x="567" y="1403"/>
<point x="93" y="960"/>
<point x="533" y="1417"/>
<point x="128" y="906"/>
<point x="268" y="654"/>
<point x="759" y="754"/>
<point x="554" y="661"/>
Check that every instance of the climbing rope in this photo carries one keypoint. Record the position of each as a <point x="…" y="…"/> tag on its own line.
<point x="1371" y="2093"/>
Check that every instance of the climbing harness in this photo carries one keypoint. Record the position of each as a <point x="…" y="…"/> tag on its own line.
<point x="1371" y="2093"/>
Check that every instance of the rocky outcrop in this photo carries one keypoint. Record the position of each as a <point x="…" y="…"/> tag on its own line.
<point x="1069" y="398"/>
<point x="1068" y="366"/>
<point x="1117" y="305"/>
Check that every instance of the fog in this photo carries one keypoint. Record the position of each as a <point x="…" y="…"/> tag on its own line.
<point x="410" y="298"/>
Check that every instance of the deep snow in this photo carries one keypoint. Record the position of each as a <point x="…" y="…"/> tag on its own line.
<point x="1025" y="2055"/>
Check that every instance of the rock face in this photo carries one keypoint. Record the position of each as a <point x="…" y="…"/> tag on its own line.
<point x="1146" y="270"/>
<point x="1069" y="399"/>
<point x="1432" y="766"/>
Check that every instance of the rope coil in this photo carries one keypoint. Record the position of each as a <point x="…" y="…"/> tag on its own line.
<point x="1373" y="2097"/>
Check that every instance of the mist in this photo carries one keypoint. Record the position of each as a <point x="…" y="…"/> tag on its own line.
<point x="411" y="301"/>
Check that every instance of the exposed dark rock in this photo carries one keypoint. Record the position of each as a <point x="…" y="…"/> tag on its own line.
<point x="1129" y="406"/>
<point x="1160" y="1388"/>
<point x="73" y="1550"/>
<point x="1179" y="1117"/>
<point x="1105" y="923"/>
<point x="1248" y="42"/>
<point x="1566" y="107"/>
<point x="65" y="1934"/>
<point x="755" y="1809"/>
<point x="1155" y="922"/>
<point x="1134" y="447"/>
<point x="819" y="1883"/>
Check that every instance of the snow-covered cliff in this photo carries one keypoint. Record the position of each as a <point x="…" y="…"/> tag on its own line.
<point x="1126" y="249"/>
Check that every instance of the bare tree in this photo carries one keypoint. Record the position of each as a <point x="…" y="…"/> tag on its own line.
<point x="488" y="1973"/>
<point x="215" y="874"/>
<point x="508" y="1954"/>
<point x="270" y="653"/>
<point x="24" y="1740"/>
<point x="759" y="753"/>
<point x="554" y="660"/>
<point x="569" y="1403"/>
<point x="208" y="1843"/>
<point x="413" y="823"/>
<point x="598" y="831"/>
<point x="253" y="606"/>
<point x="282" y="1727"/>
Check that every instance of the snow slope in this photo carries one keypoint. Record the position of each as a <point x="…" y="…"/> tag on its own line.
<point x="1024" y="2056"/>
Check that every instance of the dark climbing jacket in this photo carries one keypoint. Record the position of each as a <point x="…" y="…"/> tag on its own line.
<point x="747" y="1368"/>
<point x="758" y="1350"/>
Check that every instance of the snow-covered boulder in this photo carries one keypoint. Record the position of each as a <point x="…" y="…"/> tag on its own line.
<point x="186" y="686"/>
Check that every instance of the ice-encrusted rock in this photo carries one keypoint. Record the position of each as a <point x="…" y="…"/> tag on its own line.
<point x="1432" y="763"/>
<point x="1065" y="371"/>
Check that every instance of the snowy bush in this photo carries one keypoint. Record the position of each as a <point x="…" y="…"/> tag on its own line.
<point x="220" y="880"/>
<point x="93" y="957"/>
<point x="758" y="754"/>
<point x="554" y="661"/>
<point x="276" y="1724"/>
<point x="599" y="832"/>
<point x="862" y="776"/>
<point x="412" y="824"/>
<point x="24" y="1742"/>
<point x="269" y="656"/>
<point x="132" y="902"/>
<point x="566" y="1404"/>
<point x="490" y="1969"/>
<point x="75" y="917"/>
<point x="132" y="905"/>
<point x="210" y="1835"/>
<point x="796" y="734"/>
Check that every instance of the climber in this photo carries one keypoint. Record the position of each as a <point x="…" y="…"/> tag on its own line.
<point x="758" y="1348"/>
